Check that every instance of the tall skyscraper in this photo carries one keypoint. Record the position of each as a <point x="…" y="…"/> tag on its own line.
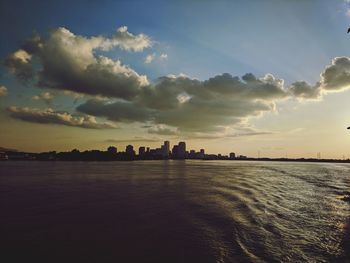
<point x="130" y="150"/>
<point x="182" y="150"/>
<point x="112" y="150"/>
<point x="175" y="151"/>
<point x="142" y="151"/>
<point x="166" y="149"/>
<point x="201" y="154"/>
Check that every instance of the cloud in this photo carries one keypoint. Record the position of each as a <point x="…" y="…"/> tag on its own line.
<point x="184" y="104"/>
<point x="303" y="90"/>
<point x="163" y="56"/>
<point x="19" y="64"/>
<point x="162" y="130"/>
<point x="69" y="62"/>
<point x="347" y="2"/>
<point x="213" y="136"/>
<point x="121" y="111"/>
<point x="149" y="58"/>
<point x="73" y="63"/>
<point x="336" y="77"/>
<point x="3" y="91"/>
<point x="127" y="41"/>
<point x="49" y="116"/>
<point x="44" y="96"/>
<point x="134" y="139"/>
<point x="193" y="105"/>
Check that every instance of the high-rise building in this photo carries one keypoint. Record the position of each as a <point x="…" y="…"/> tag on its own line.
<point x="142" y="151"/>
<point x="130" y="150"/>
<point x="192" y="154"/>
<point x="112" y="150"/>
<point x="166" y="149"/>
<point x="175" y="151"/>
<point x="232" y="155"/>
<point x="182" y="150"/>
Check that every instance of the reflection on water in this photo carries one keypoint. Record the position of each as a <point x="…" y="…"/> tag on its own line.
<point x="174" y="211"/>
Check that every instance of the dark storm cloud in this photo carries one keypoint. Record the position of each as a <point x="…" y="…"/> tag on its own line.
<point x="49" y="116"/>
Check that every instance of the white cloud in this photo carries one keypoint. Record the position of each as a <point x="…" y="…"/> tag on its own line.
<point x="18" y="63"/>
<point x="3" y="91"/>
<point x="163" y="56"/>
<point x="149" y="58"/>
<point x="183" y="97"/>
<point x="44" y="96"/>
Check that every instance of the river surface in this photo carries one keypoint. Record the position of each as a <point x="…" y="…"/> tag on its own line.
<point x="174" y="211"/>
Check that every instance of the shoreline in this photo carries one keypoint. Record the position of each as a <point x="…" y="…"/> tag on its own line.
<point x="301" y="160"/>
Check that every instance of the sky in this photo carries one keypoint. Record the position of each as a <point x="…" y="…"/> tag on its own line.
<point x="269" y="77"/>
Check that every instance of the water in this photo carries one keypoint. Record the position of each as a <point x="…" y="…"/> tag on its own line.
<point x="174" y="211"/>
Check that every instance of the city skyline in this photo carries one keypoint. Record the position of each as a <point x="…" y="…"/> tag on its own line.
<point x="178" y="151"/>
<point x="270" y="79"/>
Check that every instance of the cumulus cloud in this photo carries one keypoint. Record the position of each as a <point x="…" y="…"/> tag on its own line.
<point x="19" y="64"/>
<point x="121" y="111"/>
<point x="127" y="41"/>
<point x="337" y="75"/>
<point x="69" y="62"/>
<point x="162" y="130"/>
<point x="149" y="58"/>
<point x="3" y="91"/>
<point x="163" y="56"/>
<point x="190" y="104"/>
<point x="44" y="96"/>
<point x="49" y="116"/>
<point x="303" y="90"/>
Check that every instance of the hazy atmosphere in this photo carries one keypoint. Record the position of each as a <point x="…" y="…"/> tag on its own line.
<point x="245" y="76"/>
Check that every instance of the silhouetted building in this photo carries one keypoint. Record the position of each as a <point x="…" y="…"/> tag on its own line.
<point x="130" y="150"/>
<point x="192" y="154"/>
<point x="181" y="150"/>
<point x="142" y="151"/>
<point x="166" y="149"/>
<point x="112" y="150"/>
<point x="175" y="151"/>
<point x="232" y="155"/>
<point x="201" y="154"/>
